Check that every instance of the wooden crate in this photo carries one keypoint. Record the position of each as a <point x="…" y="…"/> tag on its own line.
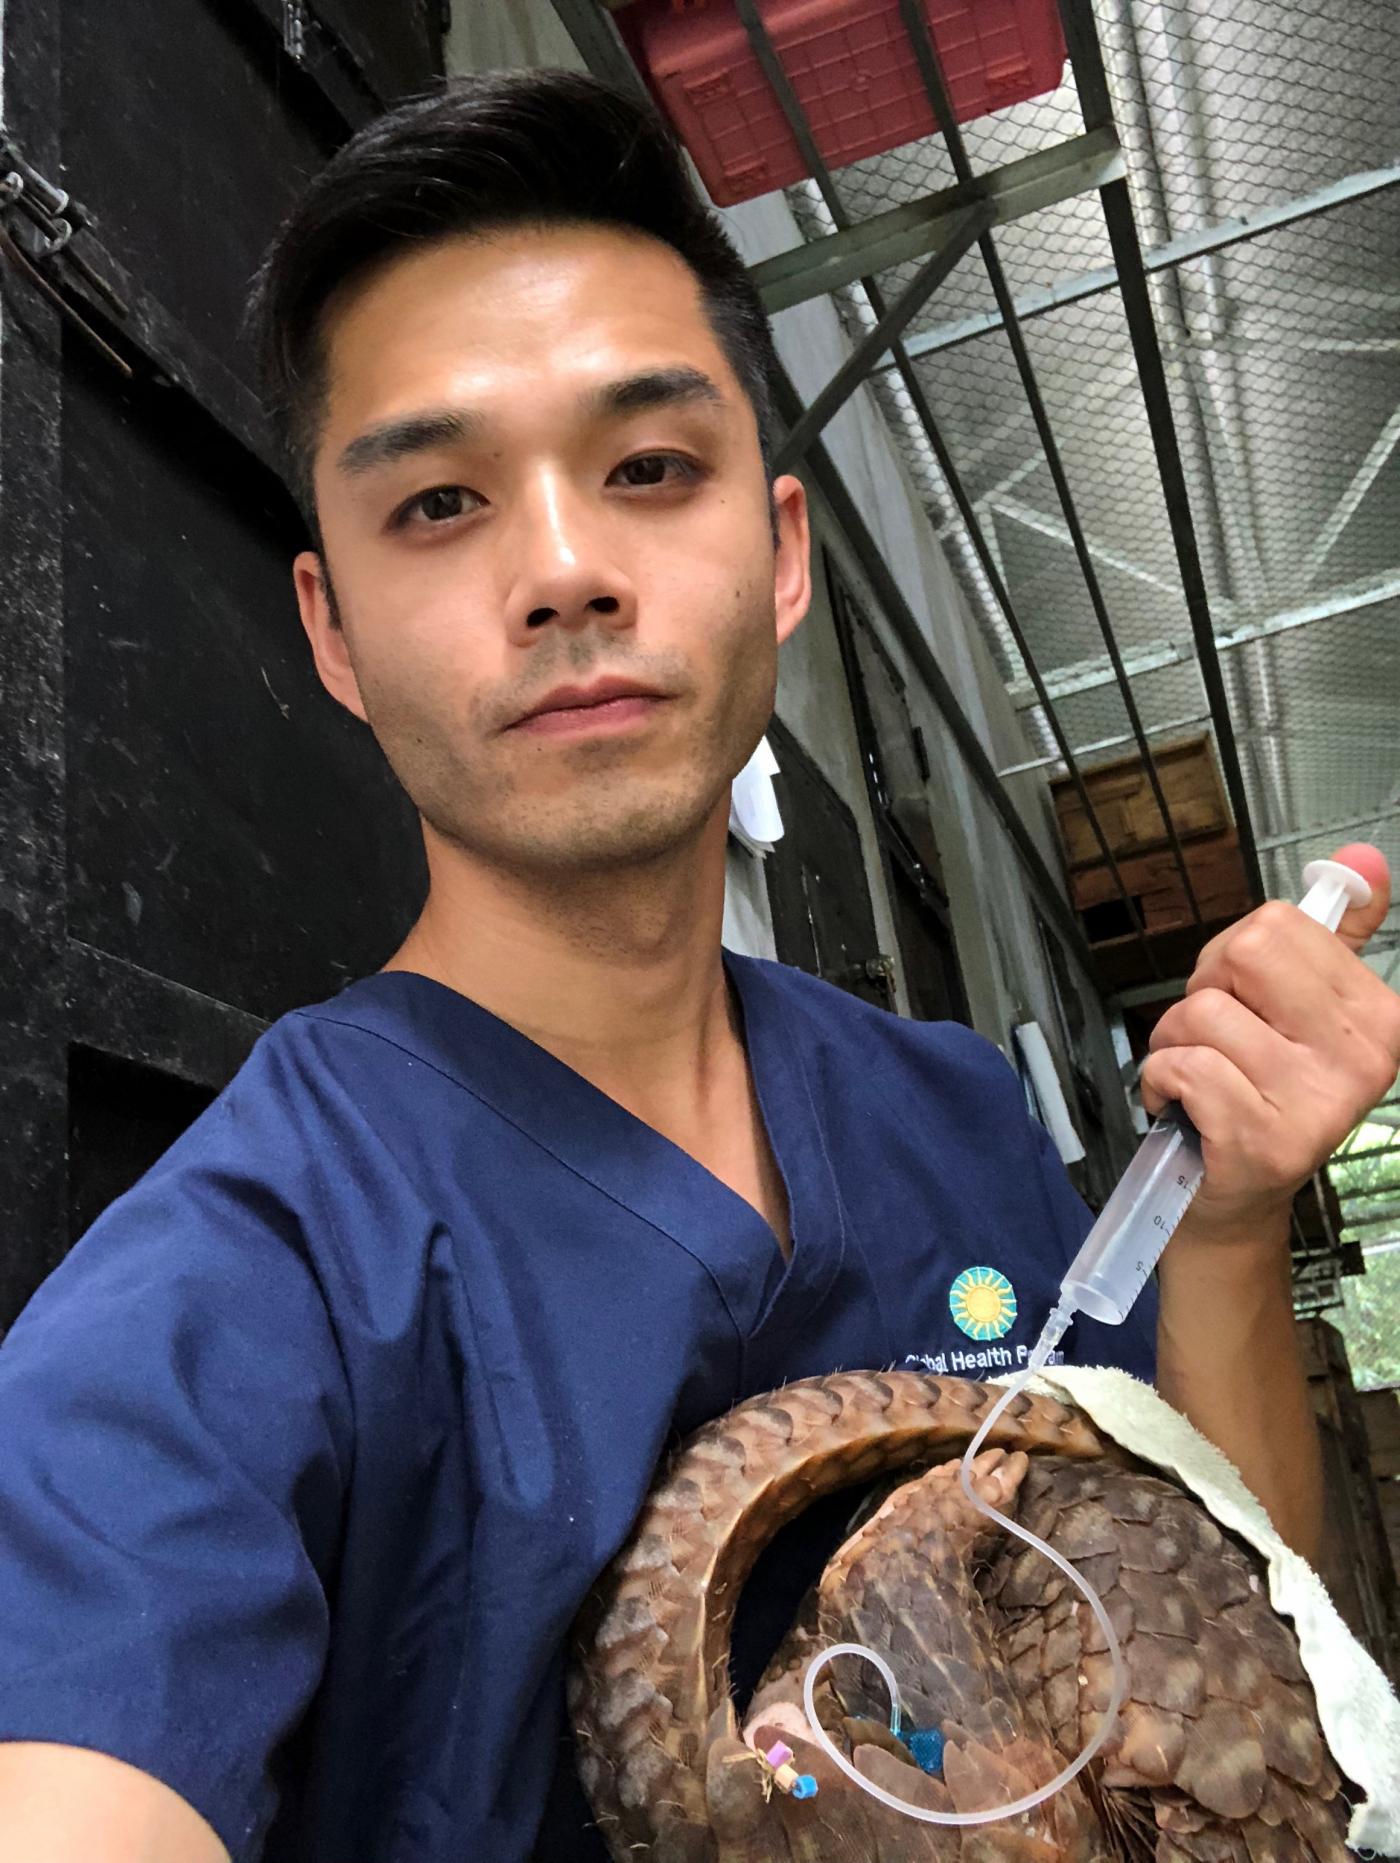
<point x="1154" y="880"/>
<point x="1127" y="809"/>
<point x="1123" y="964"/>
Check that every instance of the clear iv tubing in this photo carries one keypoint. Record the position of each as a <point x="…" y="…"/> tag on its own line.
<point x="1055" y="1328"/>
<point x="1104" y="1280"/>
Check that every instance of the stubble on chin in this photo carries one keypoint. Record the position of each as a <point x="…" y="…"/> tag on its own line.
<point x="613" y="818"/>
<point x="586" y="808"/>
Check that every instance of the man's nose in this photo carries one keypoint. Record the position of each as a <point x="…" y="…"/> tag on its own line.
<point x="564" y="572"/>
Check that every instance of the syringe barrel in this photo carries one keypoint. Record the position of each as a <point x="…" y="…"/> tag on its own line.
<point x="1125" y="1244"/>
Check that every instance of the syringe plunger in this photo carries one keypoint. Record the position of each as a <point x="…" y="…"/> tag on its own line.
<point x="1136" y="1223"/>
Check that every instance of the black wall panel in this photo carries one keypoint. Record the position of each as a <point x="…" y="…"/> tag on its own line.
<point x="121" y="1117"/>
<point x="823" y="920"/>
<point x="391" y="45"/>
<point x="193" y="837"/>
<point x="230" y="826"/>
<point x="188" y="136"/>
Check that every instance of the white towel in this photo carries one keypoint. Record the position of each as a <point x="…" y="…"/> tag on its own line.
<point x="753" y="802"/>
<point x="1359" y="1713"/>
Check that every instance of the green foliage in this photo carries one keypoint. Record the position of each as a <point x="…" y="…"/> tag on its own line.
<point x="1369" y="1319"/>
<point x="1379" y="1173"/>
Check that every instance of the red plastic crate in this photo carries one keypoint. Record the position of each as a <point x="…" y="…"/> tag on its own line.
<point x="851" y="64"/>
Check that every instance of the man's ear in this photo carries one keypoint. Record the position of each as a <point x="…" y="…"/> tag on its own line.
<point x="323" y="630"/>
<point x="792" y="560"/>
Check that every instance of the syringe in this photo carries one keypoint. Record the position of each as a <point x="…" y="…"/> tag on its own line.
<point x="1136" y="1223"/>
<point x="1104" y="1280"/>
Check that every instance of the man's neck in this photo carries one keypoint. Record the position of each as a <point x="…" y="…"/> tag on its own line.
<point x="617" y="973"/>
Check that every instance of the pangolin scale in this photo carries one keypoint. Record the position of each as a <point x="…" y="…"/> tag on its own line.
<point x="1217" y="1757"/>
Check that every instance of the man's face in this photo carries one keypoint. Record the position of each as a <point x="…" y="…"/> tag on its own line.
<point x="538" y="473"/>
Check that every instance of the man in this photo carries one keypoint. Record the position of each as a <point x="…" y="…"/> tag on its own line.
<point x="314" y="1444"/>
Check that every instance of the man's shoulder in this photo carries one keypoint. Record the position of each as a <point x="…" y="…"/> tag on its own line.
<point x="822" y="1015"/>
<point x="286" y="1106"/>
<point x="340" y="1035"/>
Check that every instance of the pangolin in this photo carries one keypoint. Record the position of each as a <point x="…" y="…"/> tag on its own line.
<point x="1217" y="1756"/>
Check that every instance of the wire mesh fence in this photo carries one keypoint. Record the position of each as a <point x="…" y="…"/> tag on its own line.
<point x="1282" y="351"/>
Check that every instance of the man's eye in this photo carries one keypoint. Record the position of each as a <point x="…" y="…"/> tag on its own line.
<point x="649" y="469"/>
<point x="439" y="505"/>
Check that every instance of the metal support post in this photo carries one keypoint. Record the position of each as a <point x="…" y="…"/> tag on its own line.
<point x="1388" y="1215"/>
<point x="818" y="266"/>
<point x="1392" y="1150"/>
<point x="791" y="106"/>
<point x="1385" y="812"/>
<point x="1357" y="740"/>
<point x="961" y="233"/>
<point x="1088" y="675"/>
<point x="599" y="45"/>
<point x="1347" y="505"/>
<point x="822" y="470"/>
<point x="1086" y="60"/>
<point x="916" y="26"/>
<point x="1198" y="244"/>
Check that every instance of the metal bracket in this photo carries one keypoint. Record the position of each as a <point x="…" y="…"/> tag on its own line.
<point x="51" y="209"/>
<point x="294" y="30"/>
<point x="891" y="238"/>
<point x="29" y="199"/>
<point x="960" y="233"/>
<point x="878" y="969"/>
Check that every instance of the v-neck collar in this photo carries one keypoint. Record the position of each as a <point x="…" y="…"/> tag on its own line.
<point x="622" y="1157"/>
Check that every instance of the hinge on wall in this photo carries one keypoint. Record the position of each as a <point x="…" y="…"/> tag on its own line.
<point x="39" y="223"/>
<point x="878" y="970"/>
<point x="294" y="29"/>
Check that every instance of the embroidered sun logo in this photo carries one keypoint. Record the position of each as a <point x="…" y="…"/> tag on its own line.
<point x="983" y="1302"/>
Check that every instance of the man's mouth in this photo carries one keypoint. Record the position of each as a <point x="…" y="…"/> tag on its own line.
<point x="607" y="705"/>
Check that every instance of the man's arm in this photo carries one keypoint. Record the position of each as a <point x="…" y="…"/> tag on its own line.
<point x="66" y="1805"/>
<point x="1282" y="1043"/>
<point x="1229" y="1359"/>
<point x="175" y="1435"/>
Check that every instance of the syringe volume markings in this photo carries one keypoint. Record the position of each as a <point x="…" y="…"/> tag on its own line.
<point x="1167" y="1169"/>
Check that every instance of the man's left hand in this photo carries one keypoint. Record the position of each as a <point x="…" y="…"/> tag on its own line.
<point x="1282" y="1043"/>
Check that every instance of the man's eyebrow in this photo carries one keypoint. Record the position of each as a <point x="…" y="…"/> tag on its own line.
<point x="393" y="440"/>
<point x="655" y="388"/>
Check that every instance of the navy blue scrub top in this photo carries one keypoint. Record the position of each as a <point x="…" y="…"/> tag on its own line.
<point x="315" y="1442"/>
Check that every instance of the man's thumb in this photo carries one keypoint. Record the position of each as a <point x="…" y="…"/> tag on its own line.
<point x="1360" y="921"/>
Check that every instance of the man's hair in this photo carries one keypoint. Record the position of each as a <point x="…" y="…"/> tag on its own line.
<point x="478" y="155"/>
